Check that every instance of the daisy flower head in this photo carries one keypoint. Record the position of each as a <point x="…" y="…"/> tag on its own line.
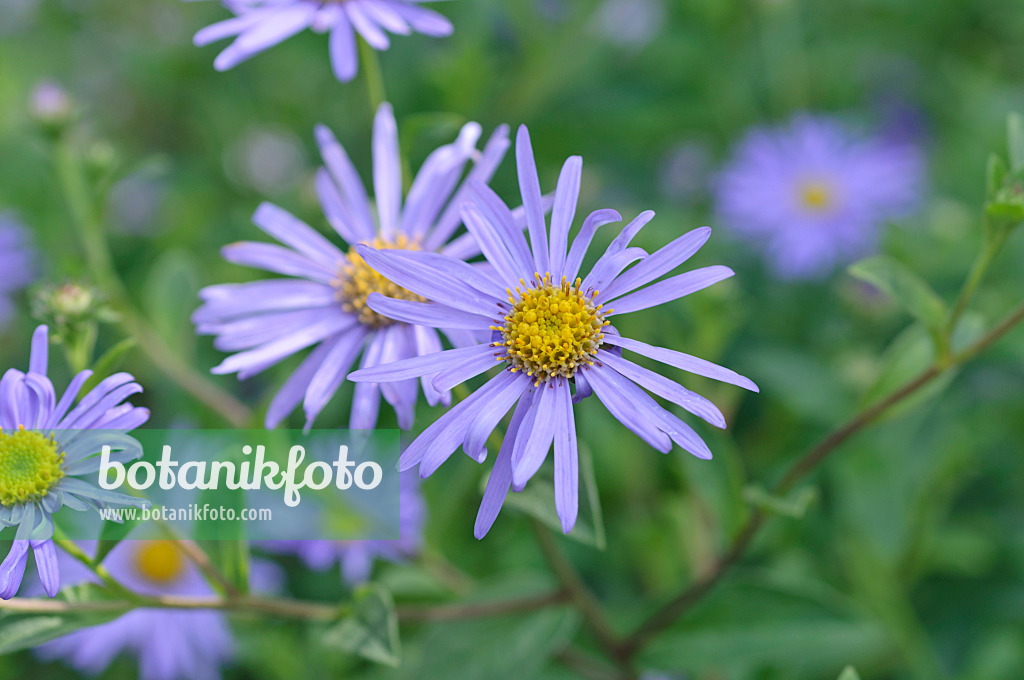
<point x="356" y="558"/>
<point x="169" y="644"/>
<point x="260" y="24"/>
<point x="17" y="263"/>
<point x="551" y="333"/>
<point x="323" y="302"/>
<point x="815" y="196"/>
<point x="45" y="450"/>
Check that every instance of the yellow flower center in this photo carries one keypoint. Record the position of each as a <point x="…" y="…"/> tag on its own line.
<point x="159" y="561"/>
<point x="816" y="196"/>
<point x="551" y="330"/>
<point x="358" y="280"/>
<point x="29" y="466"/>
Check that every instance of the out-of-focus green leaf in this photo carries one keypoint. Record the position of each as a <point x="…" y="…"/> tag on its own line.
<point x="905" y="287"/>
<point x="371" y="629"/>
<point x="849" y="673"/>
<point x="795" y="506"/>
<point x="22" y="630"/>
<point x="1015" y="141"/>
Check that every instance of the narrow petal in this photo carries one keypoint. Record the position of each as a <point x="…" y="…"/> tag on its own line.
<point x="387" y="167"/>
<point x="665" y="388"/>
<point x="294" y="389"/>
<point x="540" y="436"/>
<point x="686" y="362"/>
<point x="581" y="243"/>
<point x="497" y="405"/>
<point x="626" y="411"/>
<point x="422" y="365"/>
<point x="47" y="566"/>
<point x="352" y="190"/>
<point x="567" y="195"/>
<point x="331" y="372"/>
<point x="670" y="289"/>
<point x="39" y="357"/>
<point x="500" y="480"/>
<point x="567" y="499"/>
<point x="529" y="186"/>
<point x="12" y="570"/>
<point x="295" y="233"/>
<point x="659" y="263"/>
<point x="429" y="314"/>
<point x="456" y="375"/>
<point x="342" y="47"/>
<point x="427" y="281"/>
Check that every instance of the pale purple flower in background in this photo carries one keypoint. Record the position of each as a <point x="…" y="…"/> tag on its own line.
<point x="356" y="557"/>
<point x="549" y="330"/>
<point x="169" y="644"/>
<point x="324" y="301"/>
<point x="17" y="263"/>
<point x="260" y="24"/>
<point x="815" y="196"/>
<point x="44" y="451"/>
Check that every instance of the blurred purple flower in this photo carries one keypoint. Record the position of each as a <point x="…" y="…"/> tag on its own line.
<point x="357" y="557"/>
<point x="549" y="330"/>
<point x="169" y="644"/>
<point x="814" y="196"/>
<point x="325" y="303"/>
<point x="17" y="262"/>
<point x="261" y="24"/>
<point x="43" y="451"/>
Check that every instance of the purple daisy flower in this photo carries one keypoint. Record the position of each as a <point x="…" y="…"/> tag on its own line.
<point x="324" y="304"/>
<point x="169" y="644"/>
<point x="550" y="331"/>
<point x="43" y="451"/>
<point x="261" y="24"/>
<point x="357" y="557"/>
<point x="815" y="196"/>
<point x="17" y="260"/>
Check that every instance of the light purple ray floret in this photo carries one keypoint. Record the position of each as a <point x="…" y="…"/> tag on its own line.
<point x="814" y="196"/>
<point x="264" y="322"/>
<point x="17" y="262"/>
<point x="626" y="279"/>
<point x="29" y="400"/>
<point x="260" y="24"/>
<point x="356" y="558"/>
<point x="168" y="644"/>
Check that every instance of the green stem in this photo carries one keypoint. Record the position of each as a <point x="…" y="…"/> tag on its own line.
<point x="695" y="592"/>
<point x="370" y="61"/>
<point x="83" y="206"/>
<point x="973" y="281"/>
<point x="72" y="549"/>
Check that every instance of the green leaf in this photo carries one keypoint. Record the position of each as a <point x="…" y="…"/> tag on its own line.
<point x="1015" y="141"/>
<point x="995" y="175"/>
<point x="538" y="501"/>
<point x="106" y="364"/>
<point x="795" y="506"/>
<point x="22" y="630"/>
<point x="371" y="630"/>
<point x="905" y="287"/>
<point x="849" y="673"/>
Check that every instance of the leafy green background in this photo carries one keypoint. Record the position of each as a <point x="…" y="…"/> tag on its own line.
<point x="910" y="562"/>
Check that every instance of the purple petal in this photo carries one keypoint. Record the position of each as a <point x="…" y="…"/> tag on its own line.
<point x="47" y="566"/>
<point x="501" y="476"/>
<point x="671" y="289"/>
<point x="581" y="243"/>
<point x="529" y="186"/>
<point x="540" y="437"/>
<point x="567" y="194"/>
<point x="296" y="234"/>
<point x="331" y="372"/>
<point x="387" y="166"/>
<point x="352" y="190"/>
<point x="429" y="314"/>
<point x="658" y="263"/>
<point x="665" y="388"/>
<point x="12" y="570"/>
<point x="686" y="362"/>
<point x="626" y="410"/>
<point x="421" y="365"/>
<point x="567" y="499"/>
<point x="342" y="47"/>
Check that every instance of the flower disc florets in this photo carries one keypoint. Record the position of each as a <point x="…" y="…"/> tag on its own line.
<point x="358" y="280"/>
<point x="30" y="465"/>
<point x="551" y="330"/>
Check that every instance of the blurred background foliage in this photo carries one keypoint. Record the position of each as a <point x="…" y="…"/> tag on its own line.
<point x="909" y="563"/>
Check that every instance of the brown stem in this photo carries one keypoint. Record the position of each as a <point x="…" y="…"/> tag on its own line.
<point x="681" y="603"/>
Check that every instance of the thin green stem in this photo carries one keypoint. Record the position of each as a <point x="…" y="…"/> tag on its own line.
<point x="85" y="214"/>
<point x="973" y="281"/>
<point x="370" y="61"/>
<point x="99" y="570"/>
<point x="681" y="603"/>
